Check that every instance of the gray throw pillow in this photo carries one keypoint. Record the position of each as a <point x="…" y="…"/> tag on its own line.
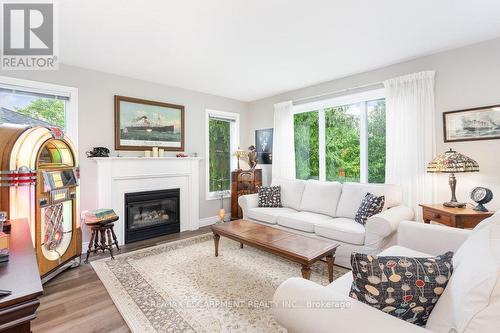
<point x="370" y="206"/>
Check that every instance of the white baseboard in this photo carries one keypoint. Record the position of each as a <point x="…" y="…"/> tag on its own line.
<point x="203" y="223"/>
<point x="212" y="220"/>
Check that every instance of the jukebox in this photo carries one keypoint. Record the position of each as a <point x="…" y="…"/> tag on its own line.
<point x="39" y="181"/>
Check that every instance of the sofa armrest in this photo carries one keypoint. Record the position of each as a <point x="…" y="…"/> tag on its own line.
<point x="430" y="238"/>
<point x="304" y="306"/>
<point x="248" y="201"/>
<point x="382" y="225"/>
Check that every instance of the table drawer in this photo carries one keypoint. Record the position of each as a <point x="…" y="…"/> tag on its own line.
<point x="437" y="217"/>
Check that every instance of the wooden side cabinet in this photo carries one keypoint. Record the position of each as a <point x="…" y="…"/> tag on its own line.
<point x="243" y="182"/>
<point x="20" y="275"/>
<point x="464" y="218"/>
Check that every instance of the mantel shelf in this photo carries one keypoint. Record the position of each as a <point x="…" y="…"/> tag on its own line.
<point x="137" y="158"/>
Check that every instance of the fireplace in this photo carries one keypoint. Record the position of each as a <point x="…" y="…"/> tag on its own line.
<point x="151" y="214"/>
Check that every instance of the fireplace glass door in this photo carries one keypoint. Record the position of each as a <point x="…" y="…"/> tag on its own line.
<point x="150" y="214"/>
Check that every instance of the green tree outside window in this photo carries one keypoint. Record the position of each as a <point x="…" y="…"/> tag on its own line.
<point x="342" y="142"/>
<point x="219" y="158"/>
<point x="376" y="141"/>
<point x="306" y="145"/>
<point x="48" y="110"/>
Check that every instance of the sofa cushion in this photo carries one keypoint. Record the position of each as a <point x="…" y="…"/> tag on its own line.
<point x="321" y="197"/>
<point x="303" y="221"/>
<point x="342" y="229"/>
<point x="471" y="302"/>
<point x="268" y="215"/>
<point x="354" y="193"/>
<point x="291" y="192"/>
<point x="404" y="287"/>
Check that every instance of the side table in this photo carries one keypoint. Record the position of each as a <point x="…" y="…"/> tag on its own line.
<point x="464" y="218"/>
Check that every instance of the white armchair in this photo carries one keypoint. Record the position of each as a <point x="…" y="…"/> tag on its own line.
<point x="304" y="306"/>
<point x="470" y="303"/>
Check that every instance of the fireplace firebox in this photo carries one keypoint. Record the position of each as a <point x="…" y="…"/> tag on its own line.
<point x="151" y="214"/>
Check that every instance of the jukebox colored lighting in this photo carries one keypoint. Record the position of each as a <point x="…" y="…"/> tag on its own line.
<point x="56" y="155"/>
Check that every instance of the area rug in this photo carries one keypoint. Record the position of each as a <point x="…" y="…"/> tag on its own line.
<point x="182" y="287"/>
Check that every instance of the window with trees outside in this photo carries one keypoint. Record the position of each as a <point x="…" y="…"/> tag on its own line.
<point x="25" y="107"/>
<point x="341" y="139"/>
<point x="222" y="141"/>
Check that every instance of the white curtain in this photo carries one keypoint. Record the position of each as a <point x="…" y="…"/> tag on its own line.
<point x="283" y="142"/>
<point x="411" y="136"/>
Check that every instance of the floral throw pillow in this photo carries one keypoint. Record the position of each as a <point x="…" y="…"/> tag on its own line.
<point x="270" y="196"/>
<point x="370" y="206"/>
<point x="404" y="287"/>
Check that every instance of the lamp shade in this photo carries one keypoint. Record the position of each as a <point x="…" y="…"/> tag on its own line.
<point x="239" y="153"/>
<point x="452" y="162"/>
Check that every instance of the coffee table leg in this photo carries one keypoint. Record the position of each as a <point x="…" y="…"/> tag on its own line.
<point x="329" y="261"/>
<point x="216" y="242"/>
<point x="306" y="272"/>
<point x="241" y="245"/>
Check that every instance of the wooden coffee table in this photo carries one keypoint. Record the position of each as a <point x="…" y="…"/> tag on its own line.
<point x="294" y="247"/>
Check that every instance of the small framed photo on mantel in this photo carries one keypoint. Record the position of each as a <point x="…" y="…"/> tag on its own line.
<point x="141" y="124"/>
<point x="481" y="123"/>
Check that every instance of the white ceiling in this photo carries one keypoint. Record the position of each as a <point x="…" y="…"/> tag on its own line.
<point x="250" y="49"/>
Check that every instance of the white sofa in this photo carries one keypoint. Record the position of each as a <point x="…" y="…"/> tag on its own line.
<point x="469" y="304"/>
<point x="327" y="210"/>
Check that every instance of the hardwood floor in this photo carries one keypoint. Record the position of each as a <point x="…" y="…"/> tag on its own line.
<point x="76" y="300"/>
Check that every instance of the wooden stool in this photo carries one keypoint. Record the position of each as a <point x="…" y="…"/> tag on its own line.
<point x="108" y="237"/>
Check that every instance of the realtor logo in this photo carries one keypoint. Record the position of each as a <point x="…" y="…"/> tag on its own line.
<point x="28" y="36"/>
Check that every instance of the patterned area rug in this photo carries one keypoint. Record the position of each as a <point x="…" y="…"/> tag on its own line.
<point x="182" y="287"/>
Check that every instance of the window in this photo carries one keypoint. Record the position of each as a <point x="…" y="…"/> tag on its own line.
<point x="341" y="139"/>
<point x="26" y="102"/>
<point x="222" y="141"/>
<point x="376" y="140"/>
<point x="306" y="145"/>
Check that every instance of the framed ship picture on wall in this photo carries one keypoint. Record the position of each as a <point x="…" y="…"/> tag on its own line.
<point x="481" y="123"/>
<point x="141" y="124"/>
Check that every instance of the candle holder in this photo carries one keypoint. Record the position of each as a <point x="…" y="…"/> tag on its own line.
<point x="222" y="194"/>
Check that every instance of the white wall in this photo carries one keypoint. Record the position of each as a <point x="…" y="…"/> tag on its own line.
<point x="96" y="118"/>
<point x="466" y="77"/>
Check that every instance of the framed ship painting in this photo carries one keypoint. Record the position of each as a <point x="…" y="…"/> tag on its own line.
<point x="264" y="145"/>
<point x="142" y="124"/>
<point x="472" y="124"/>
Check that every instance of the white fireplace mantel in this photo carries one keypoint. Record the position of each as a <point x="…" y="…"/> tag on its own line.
<point x="119" y="175"/>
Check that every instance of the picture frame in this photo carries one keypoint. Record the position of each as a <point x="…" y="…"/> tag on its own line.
<point x="142" y="124"/>
<point x="481" y="123"/>
<point x="264" y="145"/>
